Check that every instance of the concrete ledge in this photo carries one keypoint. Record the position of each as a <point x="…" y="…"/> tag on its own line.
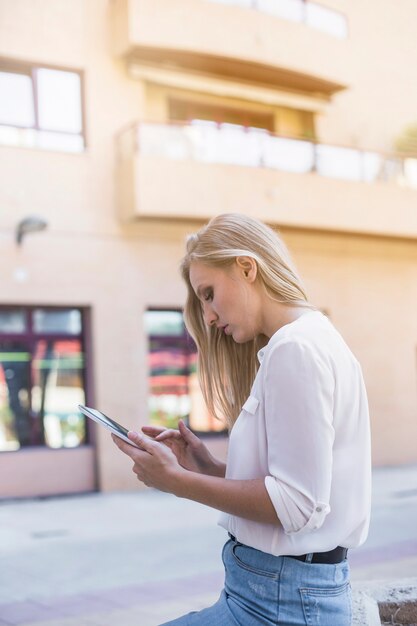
<point x="383" y="602"/>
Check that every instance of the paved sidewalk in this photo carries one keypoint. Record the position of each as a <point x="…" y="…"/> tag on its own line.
<point x="141" y="558"/>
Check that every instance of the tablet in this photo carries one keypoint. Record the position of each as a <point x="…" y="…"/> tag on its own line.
<point x="107" y="422"/>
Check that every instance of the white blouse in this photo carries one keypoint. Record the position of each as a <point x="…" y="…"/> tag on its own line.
<point x="305" y="430"/>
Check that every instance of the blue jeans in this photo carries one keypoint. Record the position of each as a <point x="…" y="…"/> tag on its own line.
<point x="265" y="590"/>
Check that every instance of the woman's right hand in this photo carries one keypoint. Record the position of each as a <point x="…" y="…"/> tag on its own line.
<point x="190" y="451"/>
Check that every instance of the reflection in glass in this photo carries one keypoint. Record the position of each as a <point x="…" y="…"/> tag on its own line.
<point x="66" y="322"/>
<point x="12" y="321"/>
<point x="16" y="101"/>
<point x="59" y="100"/>
<point x="57" y="369"/>
<point x="168" y="398"/>
<point x="15" y="427"/>
<point x="174" y="391"/>
<point x="165" y="323"/>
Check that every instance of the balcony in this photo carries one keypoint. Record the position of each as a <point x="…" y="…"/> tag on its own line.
<point x="271" y="48"/>
<point x="308" y="12"/>
<point x="197" y="170"/>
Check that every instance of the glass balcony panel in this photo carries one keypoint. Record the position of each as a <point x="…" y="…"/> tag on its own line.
<point x="242" y="3"/>
<point x="338" y="162"/>
<point x="326" y="20"/>
<point x="292" y="10"/>
<point x="210" y="142"/>
<point x="371" y="166"/>
<point x="205" y="139"/>
<point x="410" y="172"/>
<point x="289" y="155"/>
<point x="164" y="140"/>
<point x="238" y="146"/>
<point x="392" y="170"/>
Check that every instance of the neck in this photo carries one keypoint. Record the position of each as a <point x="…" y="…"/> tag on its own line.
<point x="277" y="315"/>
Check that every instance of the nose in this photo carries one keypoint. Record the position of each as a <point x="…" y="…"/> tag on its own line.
<point x="210" y="316"/>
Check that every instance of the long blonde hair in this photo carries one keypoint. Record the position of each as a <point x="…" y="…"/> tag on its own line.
<point x="226" y="369"/>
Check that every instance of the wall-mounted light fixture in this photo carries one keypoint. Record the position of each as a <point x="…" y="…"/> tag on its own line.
<point x="30" y="224"/>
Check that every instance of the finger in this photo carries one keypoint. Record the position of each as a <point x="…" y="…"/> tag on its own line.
<point x="168" y="434"/>
<point x="125" y="447"/>
<point x="153" y="431"/>
<point x="187" y="433"/>
<point x="144" y="443"/>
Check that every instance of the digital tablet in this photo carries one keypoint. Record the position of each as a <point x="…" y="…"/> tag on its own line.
<point x="107" y="422"/>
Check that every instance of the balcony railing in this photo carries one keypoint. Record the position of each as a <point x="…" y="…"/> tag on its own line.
<point x="209" y="142"/>
<point x="310" y="13"/>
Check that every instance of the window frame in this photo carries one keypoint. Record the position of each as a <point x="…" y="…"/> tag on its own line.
<point x="12" y="66"/>
<point x="30" y="337"/>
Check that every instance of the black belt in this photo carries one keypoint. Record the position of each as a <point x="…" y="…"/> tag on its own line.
<point x="333" y="556"/>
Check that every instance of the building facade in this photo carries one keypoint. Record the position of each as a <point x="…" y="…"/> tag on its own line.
<point x="127" y="124"/>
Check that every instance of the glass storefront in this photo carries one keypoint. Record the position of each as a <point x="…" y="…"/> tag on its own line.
<point x="174" y="392"/>
<point x="42" y="378"/>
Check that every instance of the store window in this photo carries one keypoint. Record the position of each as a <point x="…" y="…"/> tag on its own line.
<point x="174" y="391"/>
<point x="42" y="377"/>
<point x="41" y="107"/>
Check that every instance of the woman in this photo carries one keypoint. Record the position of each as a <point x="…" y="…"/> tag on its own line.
<point x="295" y="493"/>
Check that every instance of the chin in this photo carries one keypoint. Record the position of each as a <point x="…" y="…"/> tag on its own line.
<point x="240" y="338"/>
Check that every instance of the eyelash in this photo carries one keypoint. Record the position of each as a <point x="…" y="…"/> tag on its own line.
<point x="208" y="296"/>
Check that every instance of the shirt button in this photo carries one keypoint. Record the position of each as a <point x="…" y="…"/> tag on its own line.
<point x="319" y="509"/>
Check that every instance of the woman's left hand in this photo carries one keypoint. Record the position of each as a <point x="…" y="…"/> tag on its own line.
<point x="154" y="463"/>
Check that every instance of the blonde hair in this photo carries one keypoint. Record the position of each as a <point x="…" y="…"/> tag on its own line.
<point x="226" y="369"/>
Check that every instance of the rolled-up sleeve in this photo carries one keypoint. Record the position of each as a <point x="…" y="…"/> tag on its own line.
<point x="298" y="396"/>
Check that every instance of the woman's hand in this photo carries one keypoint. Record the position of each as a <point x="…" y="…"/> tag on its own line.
<point x="189" y="450"/>
<point x="154" y="463"/>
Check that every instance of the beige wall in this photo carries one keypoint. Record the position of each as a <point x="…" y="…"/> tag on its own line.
<point x="381" y="99"/>
<point x="196" y="189"/>
<point x="89" y="257"/>
<point x="369" y="289"/>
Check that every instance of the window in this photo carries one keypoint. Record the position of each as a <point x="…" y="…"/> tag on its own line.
<point x="41" y="107"/>
<point x="174" y="392"/>
<point x="281" y="121"/>
<point x="184" y="110"/>
<point x="42" y="377"/>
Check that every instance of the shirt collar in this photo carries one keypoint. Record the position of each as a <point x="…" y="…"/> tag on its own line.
<point x="262" y="352"/>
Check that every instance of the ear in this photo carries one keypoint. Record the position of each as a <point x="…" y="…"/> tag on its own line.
<point x="248" y="267"/>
